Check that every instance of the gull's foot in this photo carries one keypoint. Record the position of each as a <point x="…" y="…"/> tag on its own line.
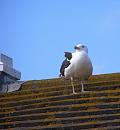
<point x="74" y="92"/>
<point x="84" y="91"/>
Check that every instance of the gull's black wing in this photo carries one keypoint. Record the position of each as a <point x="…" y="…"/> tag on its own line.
<point x="68" y="55"/>
<point x="64" y="65"/>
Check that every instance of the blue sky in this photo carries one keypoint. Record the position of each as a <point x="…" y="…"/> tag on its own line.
<point x="35" y="33"/>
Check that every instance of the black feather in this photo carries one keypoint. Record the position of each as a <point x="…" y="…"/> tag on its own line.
<point x="64" y="65"/>
<point x="68" y="55"/>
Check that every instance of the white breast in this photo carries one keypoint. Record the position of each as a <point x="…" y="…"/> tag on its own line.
<point x="80" y="66"/>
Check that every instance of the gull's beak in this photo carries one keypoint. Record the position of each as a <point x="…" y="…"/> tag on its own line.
<point x="76" y="48"/>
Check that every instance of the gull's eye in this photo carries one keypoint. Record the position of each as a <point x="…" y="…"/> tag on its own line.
<point x="82" y="46"/>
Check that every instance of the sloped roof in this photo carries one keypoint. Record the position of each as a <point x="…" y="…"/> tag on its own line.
<point x="50" y="104"/>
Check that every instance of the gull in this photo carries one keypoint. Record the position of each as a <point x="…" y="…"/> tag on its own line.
<point x="77" y="65"/>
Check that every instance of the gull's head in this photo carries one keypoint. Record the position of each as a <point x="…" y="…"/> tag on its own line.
<point x="81" y="47"/>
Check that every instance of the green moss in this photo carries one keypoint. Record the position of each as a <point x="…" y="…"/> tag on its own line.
<point x="51" y="97"/>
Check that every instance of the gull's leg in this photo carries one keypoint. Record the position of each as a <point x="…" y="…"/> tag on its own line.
<point x="82" y="85"/>
<point x="82" y="90"/>
<point x="71" y="78"/>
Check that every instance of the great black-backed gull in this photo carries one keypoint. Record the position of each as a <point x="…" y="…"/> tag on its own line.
<point x="77" y="65"/>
